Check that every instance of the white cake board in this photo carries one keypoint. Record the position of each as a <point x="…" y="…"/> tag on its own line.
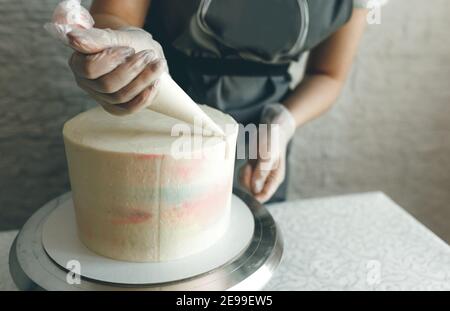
<point x="61" y="243"/>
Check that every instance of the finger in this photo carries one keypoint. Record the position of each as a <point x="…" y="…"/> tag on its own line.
<point x="93" y="40"/>
<point x="136" y="104"/>
<point x="260" y="174"/>
<point x="143" y="100"/>
<point x="121" y="76"/>
<point x="100" y="100"/>
<point x="96" y="65"/>
<point x="245" y="175"/>
<point x="270" y="187"/>
<point x="144" y="80"/>
<point x="114" y="109"/>
<point x="148" y="78"/>
<point x="272" y="183"/>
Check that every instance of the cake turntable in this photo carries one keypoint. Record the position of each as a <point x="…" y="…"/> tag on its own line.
<point x="244" y="259"/>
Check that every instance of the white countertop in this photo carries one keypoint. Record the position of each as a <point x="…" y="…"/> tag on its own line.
<point x="354" y="242"/>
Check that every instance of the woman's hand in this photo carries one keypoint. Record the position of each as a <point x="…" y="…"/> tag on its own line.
<point x="118" y="68"/>
<point x="264" y="175"/>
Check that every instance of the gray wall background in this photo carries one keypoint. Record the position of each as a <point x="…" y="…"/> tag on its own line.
<point x="389" y="131"/>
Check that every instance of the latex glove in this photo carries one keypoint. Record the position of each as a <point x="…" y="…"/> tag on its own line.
<point x="107" y="67"/>
<point x="118" y="68"/>
<point x="263" y="176"/>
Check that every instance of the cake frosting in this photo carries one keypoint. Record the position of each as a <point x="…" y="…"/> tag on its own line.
<point x="135" y="200"/>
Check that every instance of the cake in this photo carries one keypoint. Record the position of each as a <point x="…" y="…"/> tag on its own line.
<point x="142" y="194"/>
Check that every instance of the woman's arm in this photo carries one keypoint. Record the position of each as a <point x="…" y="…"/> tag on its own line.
<point x="326" y="72"/>
<point x="119" y="13"/>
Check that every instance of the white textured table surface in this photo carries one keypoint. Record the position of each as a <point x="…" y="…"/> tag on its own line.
<point x="355" y="242"/>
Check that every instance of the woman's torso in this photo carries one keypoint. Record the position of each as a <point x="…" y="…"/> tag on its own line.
<point x="173" y="23"/>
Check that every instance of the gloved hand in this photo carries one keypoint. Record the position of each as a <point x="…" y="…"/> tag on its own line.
<point x="106" y="66"/>
<point x="264" y="175"/>
<point x="118" y="68"/>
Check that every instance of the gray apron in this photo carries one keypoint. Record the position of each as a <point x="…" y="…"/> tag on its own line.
<point x="234" y="55"/>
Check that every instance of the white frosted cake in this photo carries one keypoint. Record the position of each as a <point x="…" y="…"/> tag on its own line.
<point x="137" y="201"/>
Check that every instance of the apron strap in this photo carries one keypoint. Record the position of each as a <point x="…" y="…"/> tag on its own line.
<point x="230" y="67"/>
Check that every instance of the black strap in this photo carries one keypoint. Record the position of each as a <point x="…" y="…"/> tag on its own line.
<point x="230" y="67"/>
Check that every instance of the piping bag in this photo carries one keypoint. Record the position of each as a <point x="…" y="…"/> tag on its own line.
<point x="171" y="100"/>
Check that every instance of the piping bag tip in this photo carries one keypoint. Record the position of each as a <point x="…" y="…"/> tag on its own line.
<point x="212" y="129"/>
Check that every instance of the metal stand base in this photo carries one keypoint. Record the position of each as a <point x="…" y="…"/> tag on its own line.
<point x="32" y="269"/>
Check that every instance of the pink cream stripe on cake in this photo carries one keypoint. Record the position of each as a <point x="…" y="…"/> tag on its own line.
<point x="148" y="156"/>
<point x="202" y="209"/>
<point x="132" y="216"/>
